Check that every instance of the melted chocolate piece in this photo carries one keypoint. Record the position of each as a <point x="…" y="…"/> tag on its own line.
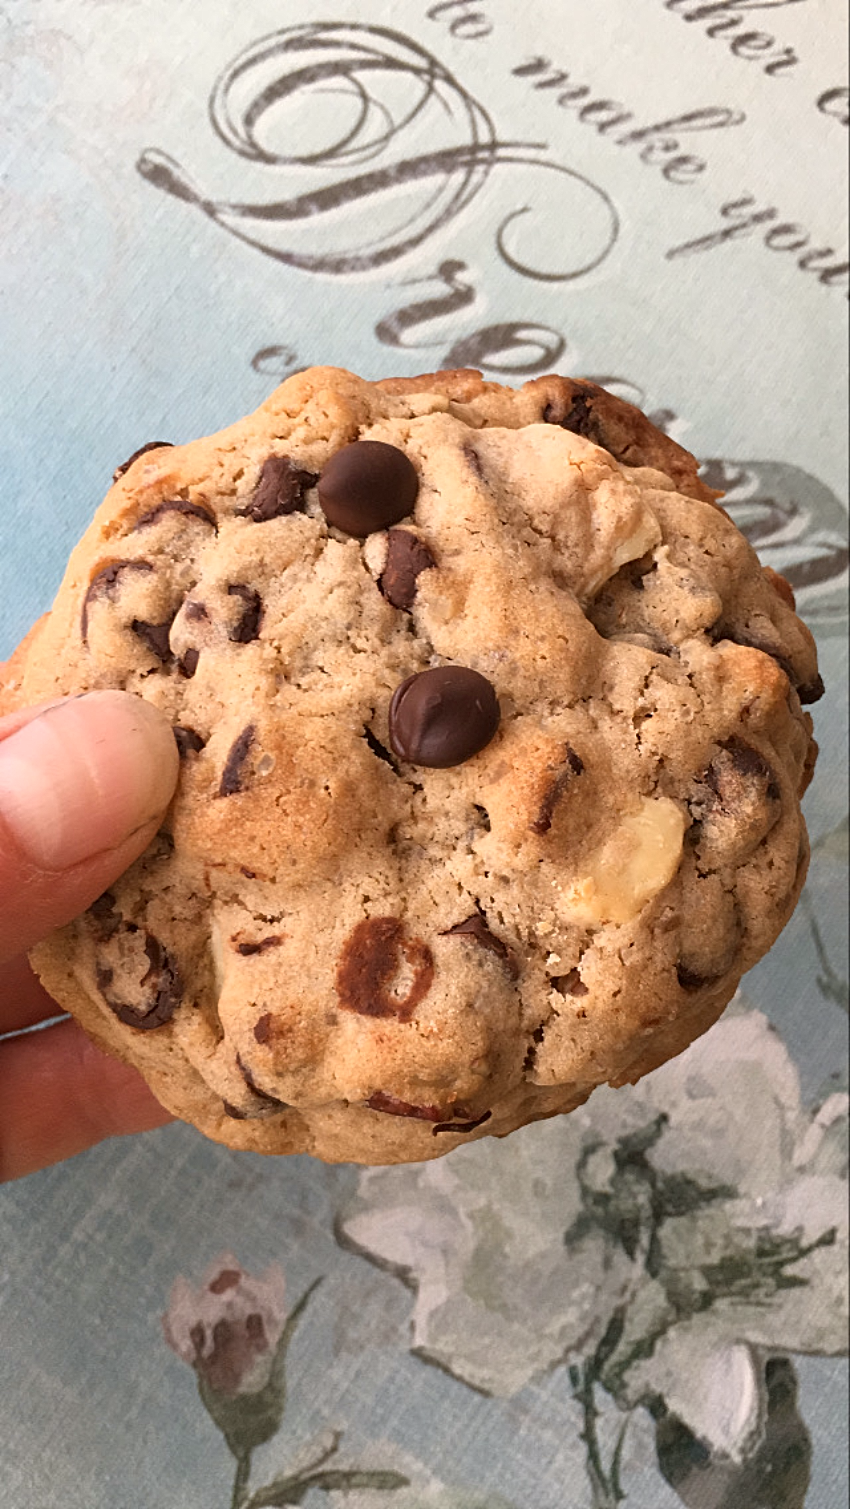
<point x="103" y="584"/>
<point x="176" y="505"/>
<point x="280" y="490"/>
<point x="155" y="636"/>
<point x="248" y="627"/>
<point x="187" y="741"/>
<point x="231" y="776"/>
<point x="162" y="988"/>
<point x="443" y="717"/>
<point x="188" y="663"/>
<point x="152" y="445"/>
<point x="107" y="920"/>
<point x="462" y="1126"/>
<point x="475" y="927"/>
<point x="370" y="960"/>
<point x="407" y="558"/>
<point x="260" y="947"/>
<point x="573" y="766"/>
<point x="747" y="763"/>
<point x="367" y="486"/>
<point x="390" y="1105"/>
<point x="736" y="804"/>
<point x="578" y="415"/>
<point x="263" y="1028"/>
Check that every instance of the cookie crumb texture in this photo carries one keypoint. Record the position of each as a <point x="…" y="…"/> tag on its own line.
<point x="390" y="912"/>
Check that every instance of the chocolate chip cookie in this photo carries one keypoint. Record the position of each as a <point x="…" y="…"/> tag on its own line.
<point x="491" y="745"/>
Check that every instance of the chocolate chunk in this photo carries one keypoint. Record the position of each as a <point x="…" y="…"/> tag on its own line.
<point x="442" y="717"/>
<point x="176" y="505"/>
<point x="577" y="415"/>
<point x="187" y="741"/>
<point x="747" y="763"/>
<point x="152" y="445"/>
<point x="407" y="558"/>
<point x="263" y="1028"/>
<point x="155" y="636"/>
<point x="248" y="627"/>
<point x="475" y="927"/>
<point x="161" y="989"/>
<point x="188" y="663"/>
<point x="367" y="486"/>
<point x="462" y="1126"/>
<point x="103" y="584"/>
<point x="280" y="490"/>
<point x="391" y="1106"/>
<point x="572" y="767"/>
<point x="371" y="959"/>
<point x="260" y="947"/>
<point x="231" y="776"/>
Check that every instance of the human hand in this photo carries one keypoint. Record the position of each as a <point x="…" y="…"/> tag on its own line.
<point x="84" y="784"/>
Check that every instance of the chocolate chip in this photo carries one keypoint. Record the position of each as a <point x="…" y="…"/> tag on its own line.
<point x="280" y="490"/>
<point x="442" y="717"/>
<point x="176" y="505"/>
<point x="811" y="691"/>
<point x="231" y="776"/>
<point x="577" y="414"/>
<point x="263" y="1028"/>
<point x="750" y="764"/>
<point x="475" y="927"/>
<point x="188" y="663"/>
<point x="267" y="1102"/>
<point x="160" y="989"/>
<point x="187" y="740"/>
<point x="462" y="1126"/>
<point x="690" y="980"/>
<point x="233" y="1111"/>
<point x="103" y="584"/>
<point x="194" y="611"/>
<point x="107" y="920"/>
<point x="247" y="949"/>
<point x="371" y="959"/>
<point x="407" y="558"/>
<point x="475" y="462"/>
<point x="367" y="486"/>
<point x="152" y="445"/>
<point x="735" y="805"/>
<point x="248" y="627"/>
<point x="155" y="636"/>
<point x="573" y="766"/>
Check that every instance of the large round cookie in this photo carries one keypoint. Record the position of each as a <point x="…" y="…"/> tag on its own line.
<point x="380" y="922"/>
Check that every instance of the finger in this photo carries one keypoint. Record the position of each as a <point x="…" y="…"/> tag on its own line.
<point x="83" y="788"/>
<point x="23" y="999"/>
<point x="59" y="1095"/>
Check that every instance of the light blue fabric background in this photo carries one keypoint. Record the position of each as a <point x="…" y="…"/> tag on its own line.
<point x="130" y="311"/>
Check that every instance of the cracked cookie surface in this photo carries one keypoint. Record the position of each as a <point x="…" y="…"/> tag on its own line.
<point x="491" y="748"/>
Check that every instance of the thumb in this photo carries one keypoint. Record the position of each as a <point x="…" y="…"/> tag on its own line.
<point x="84" y="784"/>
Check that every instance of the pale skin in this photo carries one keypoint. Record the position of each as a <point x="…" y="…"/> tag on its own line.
<point x="84" y="785"/>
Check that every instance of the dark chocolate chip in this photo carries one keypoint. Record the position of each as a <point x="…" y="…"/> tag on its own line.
<point x="367" y="486"/>
<point x="690" y="980"/>
<point x="231" y="776"/>
<point x="152" y="445"/>
<point x="577" y="415"/>
<point x="194" y="611"/>
<point x="188" y="663"/>
<point x="811" y="691"/>
<point x="247" y="949"/>
<point x="475" y="927"/>
<point x="570" y="985"/>
<point x="106" y="918"/>
<point x="462" y="1126"/>
<point x="176" y="505"/>
<point x="280" y="490"/>
<point x="234" y="1112"/>
<point x="187" y="740"/>
<point x="263" y="1028"/>
<point x="371" y="959"/>
<point x="163" y="991"/>
<point x="748" y="763"/>
<point x="572" y="767"/>
<point x="103" y="585"/>
<point x="248" y="627"/>
<point x="407" y="558"/>
<point x="155" y="636"/>
<point x="442" y="717"/>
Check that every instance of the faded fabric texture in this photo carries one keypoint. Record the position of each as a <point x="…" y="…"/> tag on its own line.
<point x="644" y="1303"/>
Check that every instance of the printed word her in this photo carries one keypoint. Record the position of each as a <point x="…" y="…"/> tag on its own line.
<point x="727" y="19"/>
